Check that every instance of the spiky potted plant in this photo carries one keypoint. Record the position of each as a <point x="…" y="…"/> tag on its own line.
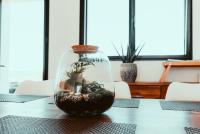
<point x="128" y="69"/>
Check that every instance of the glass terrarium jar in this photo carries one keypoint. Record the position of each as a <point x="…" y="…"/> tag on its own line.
<point x="84" y="84"/>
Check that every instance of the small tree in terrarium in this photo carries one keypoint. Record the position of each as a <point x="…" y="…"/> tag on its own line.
<point x="81" y="89"/>
<point x="76" y="76"/>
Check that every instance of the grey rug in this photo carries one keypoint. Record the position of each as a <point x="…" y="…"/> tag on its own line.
<point x="19" y="98"/>
<point x="190" y="130"/>
<point x="126" y="103"/>
<point x="180" y="106"/>
<point x="32" y="125"/>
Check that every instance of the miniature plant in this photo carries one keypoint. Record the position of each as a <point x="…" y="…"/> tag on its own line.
<point x="75" y="75"/>
<point x="79" y="67"/>
<point x="131" y="53"/>
<point x="91" y="87"/>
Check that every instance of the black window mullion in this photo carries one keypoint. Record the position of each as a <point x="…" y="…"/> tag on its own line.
<point x="188" y="28"/>
<point x="82" y="25"/>
<point x="46" y="40"/>
<point x="132" y="24"/>
<point x="0" y="30"/>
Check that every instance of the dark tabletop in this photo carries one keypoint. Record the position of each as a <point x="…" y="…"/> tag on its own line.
<point x="149" y="117"/>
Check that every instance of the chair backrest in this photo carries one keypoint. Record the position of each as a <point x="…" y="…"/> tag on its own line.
<point x="183" y="92"/>
<point x="122" y="90"/>
<point x="47" y="88"/>
<point x="36" y="88"/>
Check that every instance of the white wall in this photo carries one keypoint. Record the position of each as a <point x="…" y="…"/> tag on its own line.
<point x="196" y="29"/>
<point x="64" y="31"/>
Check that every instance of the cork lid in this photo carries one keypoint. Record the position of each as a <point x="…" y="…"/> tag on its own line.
<point x="84" y="48"/>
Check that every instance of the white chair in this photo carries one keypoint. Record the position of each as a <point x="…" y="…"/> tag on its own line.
<point x="40" y="88"/>
<point x="183" y="92"/>
<point x="122" y="90"/>
<point x="47" y="88"/>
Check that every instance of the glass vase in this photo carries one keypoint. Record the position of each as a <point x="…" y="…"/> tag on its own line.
<point x="84" y="84"/>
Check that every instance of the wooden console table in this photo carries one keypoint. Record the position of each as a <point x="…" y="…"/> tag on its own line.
<point x="148" y="90"/>
<point x="169" y="65"/>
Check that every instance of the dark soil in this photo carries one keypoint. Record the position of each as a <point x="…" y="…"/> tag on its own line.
<point x="89" y="104"/>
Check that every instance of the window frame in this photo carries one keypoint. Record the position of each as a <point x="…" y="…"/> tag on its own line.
<point x="187" y="39"/>
<point x="46" y="37"/>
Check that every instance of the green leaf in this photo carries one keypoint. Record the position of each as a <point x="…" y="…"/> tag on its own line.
<point x="121" y="57"/>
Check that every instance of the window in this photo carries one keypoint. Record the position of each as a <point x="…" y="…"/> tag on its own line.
<point x="24" y="41"/>
<point x="164" y="26"/>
